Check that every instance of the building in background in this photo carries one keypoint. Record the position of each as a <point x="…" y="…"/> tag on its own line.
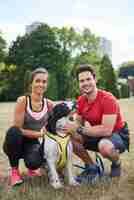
<point x="32" y="27"/>
<point x="105" y="47"/>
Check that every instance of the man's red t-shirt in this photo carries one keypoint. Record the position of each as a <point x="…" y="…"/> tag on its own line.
<point x="105" y="103"/>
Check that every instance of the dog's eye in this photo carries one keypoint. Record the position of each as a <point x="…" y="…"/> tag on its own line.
<point x="71" y="118"/>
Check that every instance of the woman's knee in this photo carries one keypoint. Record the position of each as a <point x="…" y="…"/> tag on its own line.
<point x="13" y="133"/>
<point x="13" y="140"/>
<point x="33" y="161"/>
<point x="105" y="147"/>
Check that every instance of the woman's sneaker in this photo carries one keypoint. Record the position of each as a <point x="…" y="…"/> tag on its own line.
<point x="15" y="178"/>
<point x="115" y="170"/>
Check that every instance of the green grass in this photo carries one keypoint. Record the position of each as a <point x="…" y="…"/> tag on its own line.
<point x="38" y="188"/>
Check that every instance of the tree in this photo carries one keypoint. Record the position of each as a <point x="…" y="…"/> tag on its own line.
<point x="89" y="42"/>
<point x="65" y="37"/>
<point x="108" y="79"/>
<point x="37" y="49"/>
<point x="7" y="78"/>
<point x="55" y="49"/>
<point x="2" y="48"/>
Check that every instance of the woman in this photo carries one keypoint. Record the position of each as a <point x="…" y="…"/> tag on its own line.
<point x="30" y="117"/>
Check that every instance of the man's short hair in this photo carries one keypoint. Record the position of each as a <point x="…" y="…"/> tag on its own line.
<point x="83" y="68"/>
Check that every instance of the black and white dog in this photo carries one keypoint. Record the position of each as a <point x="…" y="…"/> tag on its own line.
<point x="58" y="147"/>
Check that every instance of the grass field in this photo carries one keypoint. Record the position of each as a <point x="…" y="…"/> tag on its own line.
<point x="39" y="189"/>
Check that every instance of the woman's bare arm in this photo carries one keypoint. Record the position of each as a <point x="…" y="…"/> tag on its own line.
<point x="19" y="119"/>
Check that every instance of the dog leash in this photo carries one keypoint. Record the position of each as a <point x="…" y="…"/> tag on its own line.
<point x="42" y="142"/>
<point x="99" y="164"/>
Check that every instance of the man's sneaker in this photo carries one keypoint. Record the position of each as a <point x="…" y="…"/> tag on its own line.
<point x="89" y="175"/>
<point x="115" y="170"/>
<point x="32" y="173"/>
<point x="15" y="178"/>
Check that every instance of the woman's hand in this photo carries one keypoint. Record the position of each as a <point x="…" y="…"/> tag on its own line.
<point x="43" y="131"/>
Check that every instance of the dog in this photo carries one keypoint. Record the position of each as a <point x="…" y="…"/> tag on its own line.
<point x="58" y="147"/>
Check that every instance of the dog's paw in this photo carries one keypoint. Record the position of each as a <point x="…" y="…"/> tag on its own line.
<point x="73" y="182"/>
<point x="56" y="185"/>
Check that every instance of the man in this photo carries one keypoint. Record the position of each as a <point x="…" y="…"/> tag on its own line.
<point x="101" y="125"/>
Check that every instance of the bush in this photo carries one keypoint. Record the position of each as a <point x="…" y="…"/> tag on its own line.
<point x="124" y="90"/>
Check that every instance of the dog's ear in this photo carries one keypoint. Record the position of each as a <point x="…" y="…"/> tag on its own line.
<point x="51" y="123"/>
<point x="60" y="110"/>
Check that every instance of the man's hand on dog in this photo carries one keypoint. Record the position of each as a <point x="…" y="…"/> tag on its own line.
<point x="70" y="128"/>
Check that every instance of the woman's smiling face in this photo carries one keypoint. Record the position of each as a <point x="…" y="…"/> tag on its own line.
<point x="40" y="82"/>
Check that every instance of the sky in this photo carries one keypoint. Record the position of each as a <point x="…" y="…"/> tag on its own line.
<point x="112" y="19"/>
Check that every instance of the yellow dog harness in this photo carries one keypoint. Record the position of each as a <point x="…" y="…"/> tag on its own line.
<point x="62" y="147"/>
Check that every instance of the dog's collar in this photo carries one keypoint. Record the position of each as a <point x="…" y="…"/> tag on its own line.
<point x="58" y="135"/>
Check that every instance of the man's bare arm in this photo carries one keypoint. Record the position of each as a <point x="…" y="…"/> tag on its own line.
<point x="105" y="129"/>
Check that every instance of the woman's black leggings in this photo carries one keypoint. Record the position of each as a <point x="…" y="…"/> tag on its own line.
<point x="16" y="146"/>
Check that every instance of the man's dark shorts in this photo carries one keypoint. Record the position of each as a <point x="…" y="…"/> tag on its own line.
<point x="119" y="139"/>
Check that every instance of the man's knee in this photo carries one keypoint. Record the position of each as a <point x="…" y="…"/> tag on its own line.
<point x="105" y="147"/>
<point x="118" y="142"/>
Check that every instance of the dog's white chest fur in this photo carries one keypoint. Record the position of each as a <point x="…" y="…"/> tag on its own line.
<point x="60" y="146"/>
<point x="53" y="156"/>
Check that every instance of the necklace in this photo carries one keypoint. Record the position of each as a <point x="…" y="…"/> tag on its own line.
<point x="36" y="106"/>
